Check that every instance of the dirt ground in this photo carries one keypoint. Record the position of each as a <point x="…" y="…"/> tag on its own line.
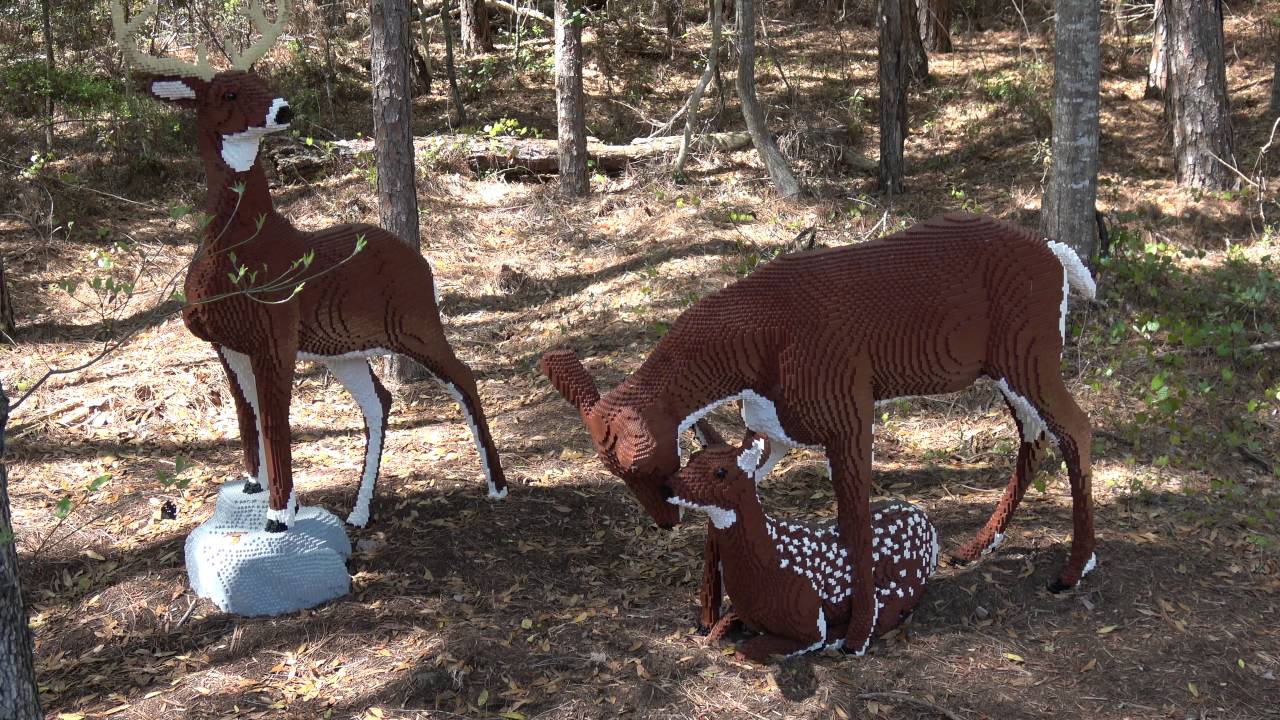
<point x="564" y="601"/>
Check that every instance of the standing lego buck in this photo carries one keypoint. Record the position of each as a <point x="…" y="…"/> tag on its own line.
<point x="267" y="294"/>
<point x="810" y="342"/>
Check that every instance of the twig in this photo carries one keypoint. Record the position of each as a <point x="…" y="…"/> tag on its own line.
<point x="905" y="699"/>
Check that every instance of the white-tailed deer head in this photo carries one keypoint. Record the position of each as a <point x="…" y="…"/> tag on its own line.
<point x="234" y="107"/>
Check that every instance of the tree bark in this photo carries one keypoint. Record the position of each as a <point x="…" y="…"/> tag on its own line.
<point x="48" y="76"/>
<point x="917" y="58"/>
<point x="7" y="324"/>
<point x="450" y="67"/>
<point x="1275" y="78"/>
<point x="757" y="125"/>
<point x="474" y="19"/>
<point x="393" y="134"/>
<point x="1067" y="210"/>
<point x="1196" y="102"/>
<point x="19" y="695"/>
<point x="1158" y="65"/>
<point x="935" y="25"/>
<point x="571" y="117"/>
<point x="713" y="63"/>
<point x="893" y="92"/>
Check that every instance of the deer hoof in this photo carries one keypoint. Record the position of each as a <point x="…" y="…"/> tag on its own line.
<point x="252" y="487"/>
<point x="275" y="526"/>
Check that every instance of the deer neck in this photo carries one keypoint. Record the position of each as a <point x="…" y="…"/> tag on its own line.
<point x="234" y="200"/>
<point x="746" y="543"/>
<point x="685" y="381"/>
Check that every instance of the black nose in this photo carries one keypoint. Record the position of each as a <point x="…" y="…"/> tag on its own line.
<point x="284" y="115"/>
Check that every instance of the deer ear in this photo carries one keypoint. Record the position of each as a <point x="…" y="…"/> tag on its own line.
<point x="706" y="435"/>
<point x="570" y="379"/>
<point x="753" y="455"/>
<point x="182" y="91"/>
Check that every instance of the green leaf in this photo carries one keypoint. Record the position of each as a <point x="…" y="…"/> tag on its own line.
<point x="98" y="482"/>
<point x="63" y="508"/>
<point x="179" y="211"/>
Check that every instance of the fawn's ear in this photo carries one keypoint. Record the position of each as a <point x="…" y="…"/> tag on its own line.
<point x="706" y="435"/>
<point x="570" y="379"/>
<point x="177" y="89"/>
<point x="753" y="455"/>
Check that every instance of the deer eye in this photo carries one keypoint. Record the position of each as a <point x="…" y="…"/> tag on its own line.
<point x="229" y="95"/>
<point x="721" y="473"/>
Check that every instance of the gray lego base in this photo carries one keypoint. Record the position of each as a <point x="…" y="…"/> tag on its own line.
<point x="247" y="571"/>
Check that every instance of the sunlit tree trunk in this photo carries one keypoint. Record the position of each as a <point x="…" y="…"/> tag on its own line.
<point x="770" y="155"/>
<point x="894" y="71"/>
<point x="1196" y="101"/>
<point x="917" y="58"/>
<point x="19" y="695"/>
<point x="1158" y="65"/>
<point x="571" y="115"/>
<point x="48" y="75"/>
<point x="1067" y="211"/>
<point x="393" y="136"/>
<point x="451" y="67"/>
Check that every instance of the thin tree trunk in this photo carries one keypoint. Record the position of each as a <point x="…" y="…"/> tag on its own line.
<point x="757" y="125"/>
<point x="1275" y="78"/>
<point x="450" y="67"/>
<point x="713" y="63"/>
<point x="1158" y="65"/>
<point x="935" y="25"/>
<point x="48" y="76"/>
<point x="19" y="695"/>
<point x="1196" y="102"/>
<point x="329" y="20"/>
<point x="474" y="19"/>
<point x="917" y="58"/>
<point x="570" y="110"/>
<point x="6" y="305"/>
<point x="893" y="93"/>
<point x="393" y="136"/>
<point x="1067" y="211"/>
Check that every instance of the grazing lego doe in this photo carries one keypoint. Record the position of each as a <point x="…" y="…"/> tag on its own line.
<point x="266" y="294"/>
<point x="794" y="581"/>
<point x="810" y="342"/>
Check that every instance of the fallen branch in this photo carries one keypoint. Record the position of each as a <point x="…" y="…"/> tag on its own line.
<point x="539" y="156"/>
<point x="498" y="5"/>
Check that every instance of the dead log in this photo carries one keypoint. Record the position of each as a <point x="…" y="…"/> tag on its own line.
<point x="537" y="156"/>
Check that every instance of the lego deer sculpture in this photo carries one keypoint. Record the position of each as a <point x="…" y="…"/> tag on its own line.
<point x="266" y="294"/>
<point x="793" y="581"/>
<point x="810" y="342"/>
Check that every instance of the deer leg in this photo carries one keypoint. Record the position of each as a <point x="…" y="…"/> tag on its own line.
<point x="1048" y="407"/>
<point x="245" y="394"/>
<point x="274" y="378"/>
<point x="1030" y="451"/>
<point x="711" y="594"/>
<point x="375" y="403"/>
<point x="457" y="380"/>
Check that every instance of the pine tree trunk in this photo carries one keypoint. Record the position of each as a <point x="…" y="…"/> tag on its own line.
<point x="1067" y="211"/>
<point x="1275" y="79"/>
<point x="474" y="19"/>
<point x="935" y="25"/>
<point x="757" y="125"/>
<point x="48" y="76"/>
<point x="450" y="67"/>
<point x="6" y="305"/>
<point x="917" y="58"/>
<point x="19" y="696"/>
<point x="1196" y="102"/>
<point x="1158" y="65"/>
<point x="571" y="115"/>
<point x="393" y="136"/>
<point x="893" y="92"/>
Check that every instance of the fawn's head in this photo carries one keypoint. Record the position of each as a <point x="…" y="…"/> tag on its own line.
<point x="234" y="108"/>
<point x="721" y="479"/>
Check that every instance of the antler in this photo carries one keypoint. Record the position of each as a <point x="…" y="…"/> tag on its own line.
<point x="125" y="33"/>
<point x="270" y="33"/>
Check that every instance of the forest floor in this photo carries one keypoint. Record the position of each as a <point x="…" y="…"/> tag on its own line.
<point x="564" y="601"/>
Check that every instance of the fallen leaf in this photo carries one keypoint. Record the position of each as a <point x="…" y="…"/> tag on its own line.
<point x="1107" y="629"/>
<point x="1014" y="657"/>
